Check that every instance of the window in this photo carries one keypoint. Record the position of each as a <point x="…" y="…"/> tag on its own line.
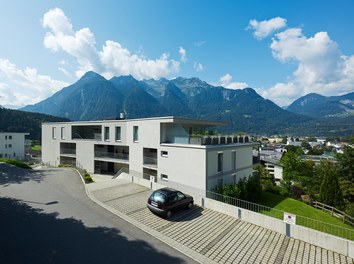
<point x="10" y="145"/>
<point x="106" y="133"/>
<point x="54" y="133"/>
<point x="6" y="146"/>
<point x="220" y="162"/>
<point x="135" y="133"/>
<point x="233" y="160"/>
<point x="62" y="132"/>
<point x="164" y="153"/>
<point x="6" y="137"/>
<point x="164" y="177"/>
<point x="118" y="133"/>
<point x="10" y="137"/>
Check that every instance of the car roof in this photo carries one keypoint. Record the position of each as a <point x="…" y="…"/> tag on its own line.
<point x="166" y="190"/>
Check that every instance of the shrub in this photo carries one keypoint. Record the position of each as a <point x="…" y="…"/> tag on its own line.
<point x="87" y="177"/>
<point x="16" y="163"/>
<point x="65" y="165"/>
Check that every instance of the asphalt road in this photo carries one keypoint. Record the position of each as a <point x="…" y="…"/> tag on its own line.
<point x="46" y="217"/>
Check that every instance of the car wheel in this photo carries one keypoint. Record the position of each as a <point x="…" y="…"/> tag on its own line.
<point x="190" y="205"/>
<point x="168" y="214"/>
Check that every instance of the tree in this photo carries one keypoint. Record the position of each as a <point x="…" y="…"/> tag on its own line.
<point x="346" y="163"/>
<point x="291" y="165"/>
<point x="297" y="150"/>
<point x="284" y="140"/>
<point x="330" y="192"/>
<point x="305" y="145"/>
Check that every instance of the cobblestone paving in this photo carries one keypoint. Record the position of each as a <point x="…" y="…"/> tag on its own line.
<point x="221" y="238"/>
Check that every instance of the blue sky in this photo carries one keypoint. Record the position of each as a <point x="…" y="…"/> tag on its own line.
<point x="282" y="49"/>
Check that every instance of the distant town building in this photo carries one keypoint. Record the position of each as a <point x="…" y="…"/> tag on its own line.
<point x="12" y="145"/>
<point x="160" y="149"/>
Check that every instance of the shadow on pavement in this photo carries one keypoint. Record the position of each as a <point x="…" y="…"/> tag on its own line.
<point x="10" y="174"/>
<point x="30" y="236"/>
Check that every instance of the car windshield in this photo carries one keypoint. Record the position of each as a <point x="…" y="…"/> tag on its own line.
<point x="158" y="197"/>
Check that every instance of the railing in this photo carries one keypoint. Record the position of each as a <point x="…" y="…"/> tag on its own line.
<point x="112" y="155"/>
<point x="68" y="151"/>
<point x="150" y="161"/>
<point x="210" y="140"/>
<point x="347" y="219"/>
<point x="300" y="220"/>
<point x="275" y="213"/>
<point x="88" y="136"/>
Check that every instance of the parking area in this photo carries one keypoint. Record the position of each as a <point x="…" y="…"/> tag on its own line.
<point x="206" y="235"/>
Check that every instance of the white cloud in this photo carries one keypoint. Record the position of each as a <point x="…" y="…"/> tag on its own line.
<point x="199" y="43"/>
<point x="112" y="60"/>
<point x="266" y="27"/>
<point x="226" y="81"/>
<point x="198" y="66"/>
<point x="321" y="66"/>
<point x="183" y="54"/>
<point x="25" y="86"/>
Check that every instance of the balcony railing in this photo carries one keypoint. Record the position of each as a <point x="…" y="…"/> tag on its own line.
<point x="209" y="140"/>
<point x="111" y="155"/>
<point x="150" y="161"/>
<point x="67" y="151"/>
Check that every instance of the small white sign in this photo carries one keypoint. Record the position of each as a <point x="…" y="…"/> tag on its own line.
<point x="289" y="218"/>
<point x="152" y="178"/>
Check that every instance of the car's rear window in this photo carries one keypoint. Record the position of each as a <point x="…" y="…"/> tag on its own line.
<point x="158" y="197"/>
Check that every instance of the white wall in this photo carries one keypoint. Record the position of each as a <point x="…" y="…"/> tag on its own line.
<point x="12" y="145"/>
<point x="184" y="164"/>
<point x="244" y="164"/>
<point x="50" y="146"/>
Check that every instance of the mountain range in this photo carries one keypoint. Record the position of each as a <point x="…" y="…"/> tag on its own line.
<point x="94" y="98"/>
<point x="25" y="122"/>
<point x="318" y="106"/>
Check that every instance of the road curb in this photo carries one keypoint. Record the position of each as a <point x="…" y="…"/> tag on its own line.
<point x="170" y="242"/>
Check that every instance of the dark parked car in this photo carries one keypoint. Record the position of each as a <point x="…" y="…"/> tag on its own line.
<point x="166" y="200"/>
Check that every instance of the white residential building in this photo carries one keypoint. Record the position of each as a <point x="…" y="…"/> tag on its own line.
<point x="161" y="147"/>
<point x="274" y="169"/>
<point x="12" y="145"/>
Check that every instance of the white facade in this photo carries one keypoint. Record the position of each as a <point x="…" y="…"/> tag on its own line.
<point x="12" y="145"/>
<point x="274" y="169"/>
<point x="160" y="147"/>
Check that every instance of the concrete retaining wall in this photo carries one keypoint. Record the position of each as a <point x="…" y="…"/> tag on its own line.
<point x="320" y="239"/>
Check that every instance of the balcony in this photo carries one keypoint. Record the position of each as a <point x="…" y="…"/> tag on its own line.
<point x="150" y="162"/>
<point x="111" y="155"/>
<point x="208" y="140"/>
<point x="68" y="151"/>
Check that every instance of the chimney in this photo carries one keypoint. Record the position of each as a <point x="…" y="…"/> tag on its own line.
<point x="122" y="114"/>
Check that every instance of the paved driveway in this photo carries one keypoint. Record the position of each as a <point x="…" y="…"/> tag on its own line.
<point x="46" y="217"/>
<point x="206" y="235"/>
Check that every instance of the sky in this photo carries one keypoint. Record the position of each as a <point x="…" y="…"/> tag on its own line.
<point x="283" y="49"/>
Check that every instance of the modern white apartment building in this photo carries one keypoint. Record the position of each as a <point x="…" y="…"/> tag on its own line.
<point x="12" y="145"/>
<point x="161" y="149"/>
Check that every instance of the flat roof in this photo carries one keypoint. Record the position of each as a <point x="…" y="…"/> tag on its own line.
<point x="164" y="119"/>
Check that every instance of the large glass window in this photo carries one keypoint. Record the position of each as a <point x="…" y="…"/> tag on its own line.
<point x="106" y="133"/>
<point x="135" y="133"/>
<point x="220" y="162"/>
<point x="118" y="133"/>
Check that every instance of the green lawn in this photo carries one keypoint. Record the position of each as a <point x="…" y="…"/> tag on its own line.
<point x="36" y="147"/>
<point x="303" y="212"/>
